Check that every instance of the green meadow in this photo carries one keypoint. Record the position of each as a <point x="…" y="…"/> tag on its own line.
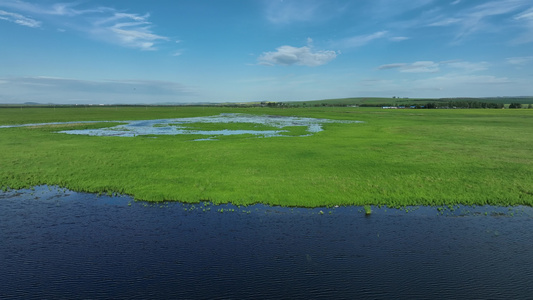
<point x="394" y="158"/>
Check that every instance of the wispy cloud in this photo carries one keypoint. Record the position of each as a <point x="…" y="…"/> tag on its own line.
<point x="19" y="19"/>
<point x="283" y="12"/>
<point x="101" y="23"/>
<point x="57" y="9"/>
<point x="156" y="87"/>
<point x="526" y="15"/>
<point x="50" y="89"/>
<point x="451" y="81"/>
<point x="465" y="65"/>
<point x="479" y="18"/>
<point x="359" y="40"/>
<point x="399" y="38"/>
<point x="520" y="61"/>
<point x="434" y="67"/>
<point x="130" y="30"/>
<point x="445" y="22"/>
<point x="303" y="56"/>
<point x="385" y="9"/>
<point x="447" y="85"/>
<point x="416" y="67"/>
<point x="526" y="20"/>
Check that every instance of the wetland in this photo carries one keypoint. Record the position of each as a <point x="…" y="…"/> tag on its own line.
<point x="325" y="203"/>
<point x="312" y="157"/>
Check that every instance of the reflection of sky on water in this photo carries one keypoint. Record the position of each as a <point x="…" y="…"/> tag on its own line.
<point x="178" y="126"/>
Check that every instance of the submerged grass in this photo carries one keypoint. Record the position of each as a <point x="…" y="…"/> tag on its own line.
<point x="396" y="158"/>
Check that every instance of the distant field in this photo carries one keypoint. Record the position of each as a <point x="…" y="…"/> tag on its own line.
<point x="378" y="101"/>
<point x="395" y="158"/>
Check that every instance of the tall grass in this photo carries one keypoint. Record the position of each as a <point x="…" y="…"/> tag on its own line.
<point x="395" y="158"/>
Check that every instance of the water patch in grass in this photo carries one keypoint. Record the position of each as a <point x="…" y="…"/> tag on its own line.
<point x="212" y="126"/>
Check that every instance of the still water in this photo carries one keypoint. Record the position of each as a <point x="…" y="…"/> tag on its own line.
<point x="58" y="244"/>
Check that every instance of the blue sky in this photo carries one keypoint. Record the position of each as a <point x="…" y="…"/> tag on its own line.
<point x="253" y="50"/>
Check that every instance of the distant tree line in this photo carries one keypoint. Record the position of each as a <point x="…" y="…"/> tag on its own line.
<point x="462" y="104"/>
<point x="440" y="104"/>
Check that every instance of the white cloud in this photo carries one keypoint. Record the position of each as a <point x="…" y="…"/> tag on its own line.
<point x="455" y="85"/>
<point x="447" y="85"/>
<point x="19" y="19"/>
<point x="136" y="34"/>
<point x="456" y="2"/>
<point x="399" y="38"/>
<point x="360" y="40"/>
<point x="527" y="15"/>
<point x="416" y="67"/>
<point x="284" y="12"/>
<point x="433" y="67"/>
<point x="421" y="67"/>
<point x="451" y="80"/>
<point x="526" y="20"/>
<point x="102" y="23"/>
<point x="477" y="18"/>
<point x="126" y="29"/>
<point x="58" y="9"/>
<point x="445" y="22"/>
<point x="303" y="56"/>
<point x="60" y="90"/>
<point x="520" y="61"/>
<point x="385" y="9"/>
<point x="465" y="66"/>
<point x="392" y="66"/>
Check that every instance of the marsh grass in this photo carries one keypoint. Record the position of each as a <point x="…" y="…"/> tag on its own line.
<point x="396" y="158"/>
<point x="295" y="131"/>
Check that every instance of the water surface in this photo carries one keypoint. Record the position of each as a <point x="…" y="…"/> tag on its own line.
<point x="58" y="244"/>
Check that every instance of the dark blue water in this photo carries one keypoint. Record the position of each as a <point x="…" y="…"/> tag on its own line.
<point x="64" y="245"/>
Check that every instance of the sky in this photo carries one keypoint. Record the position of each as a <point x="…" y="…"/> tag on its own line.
<point x="177" y="51"/>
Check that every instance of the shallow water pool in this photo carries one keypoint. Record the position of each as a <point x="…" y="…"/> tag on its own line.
<point x="178" y="126"/>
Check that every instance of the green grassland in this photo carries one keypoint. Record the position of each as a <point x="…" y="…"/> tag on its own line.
<point x="395" y="158"/>
<point x="382" y="101"/>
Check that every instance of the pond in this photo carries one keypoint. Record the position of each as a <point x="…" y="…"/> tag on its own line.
<point x="59" y="244"/>
<point x="257" y="125"/>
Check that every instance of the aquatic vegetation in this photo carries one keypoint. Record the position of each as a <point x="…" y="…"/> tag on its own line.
<point x="395" y="158"/>
<point x="368" y="210"/>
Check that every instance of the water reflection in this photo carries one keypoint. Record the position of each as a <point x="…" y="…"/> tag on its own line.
<point x="61" y="244"/>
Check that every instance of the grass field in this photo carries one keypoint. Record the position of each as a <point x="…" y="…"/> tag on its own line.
<point x="380" y="101"/>
<point x="395" y="158"/>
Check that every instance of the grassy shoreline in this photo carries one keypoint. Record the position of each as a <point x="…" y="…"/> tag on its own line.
<point x="395" y="158"/>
